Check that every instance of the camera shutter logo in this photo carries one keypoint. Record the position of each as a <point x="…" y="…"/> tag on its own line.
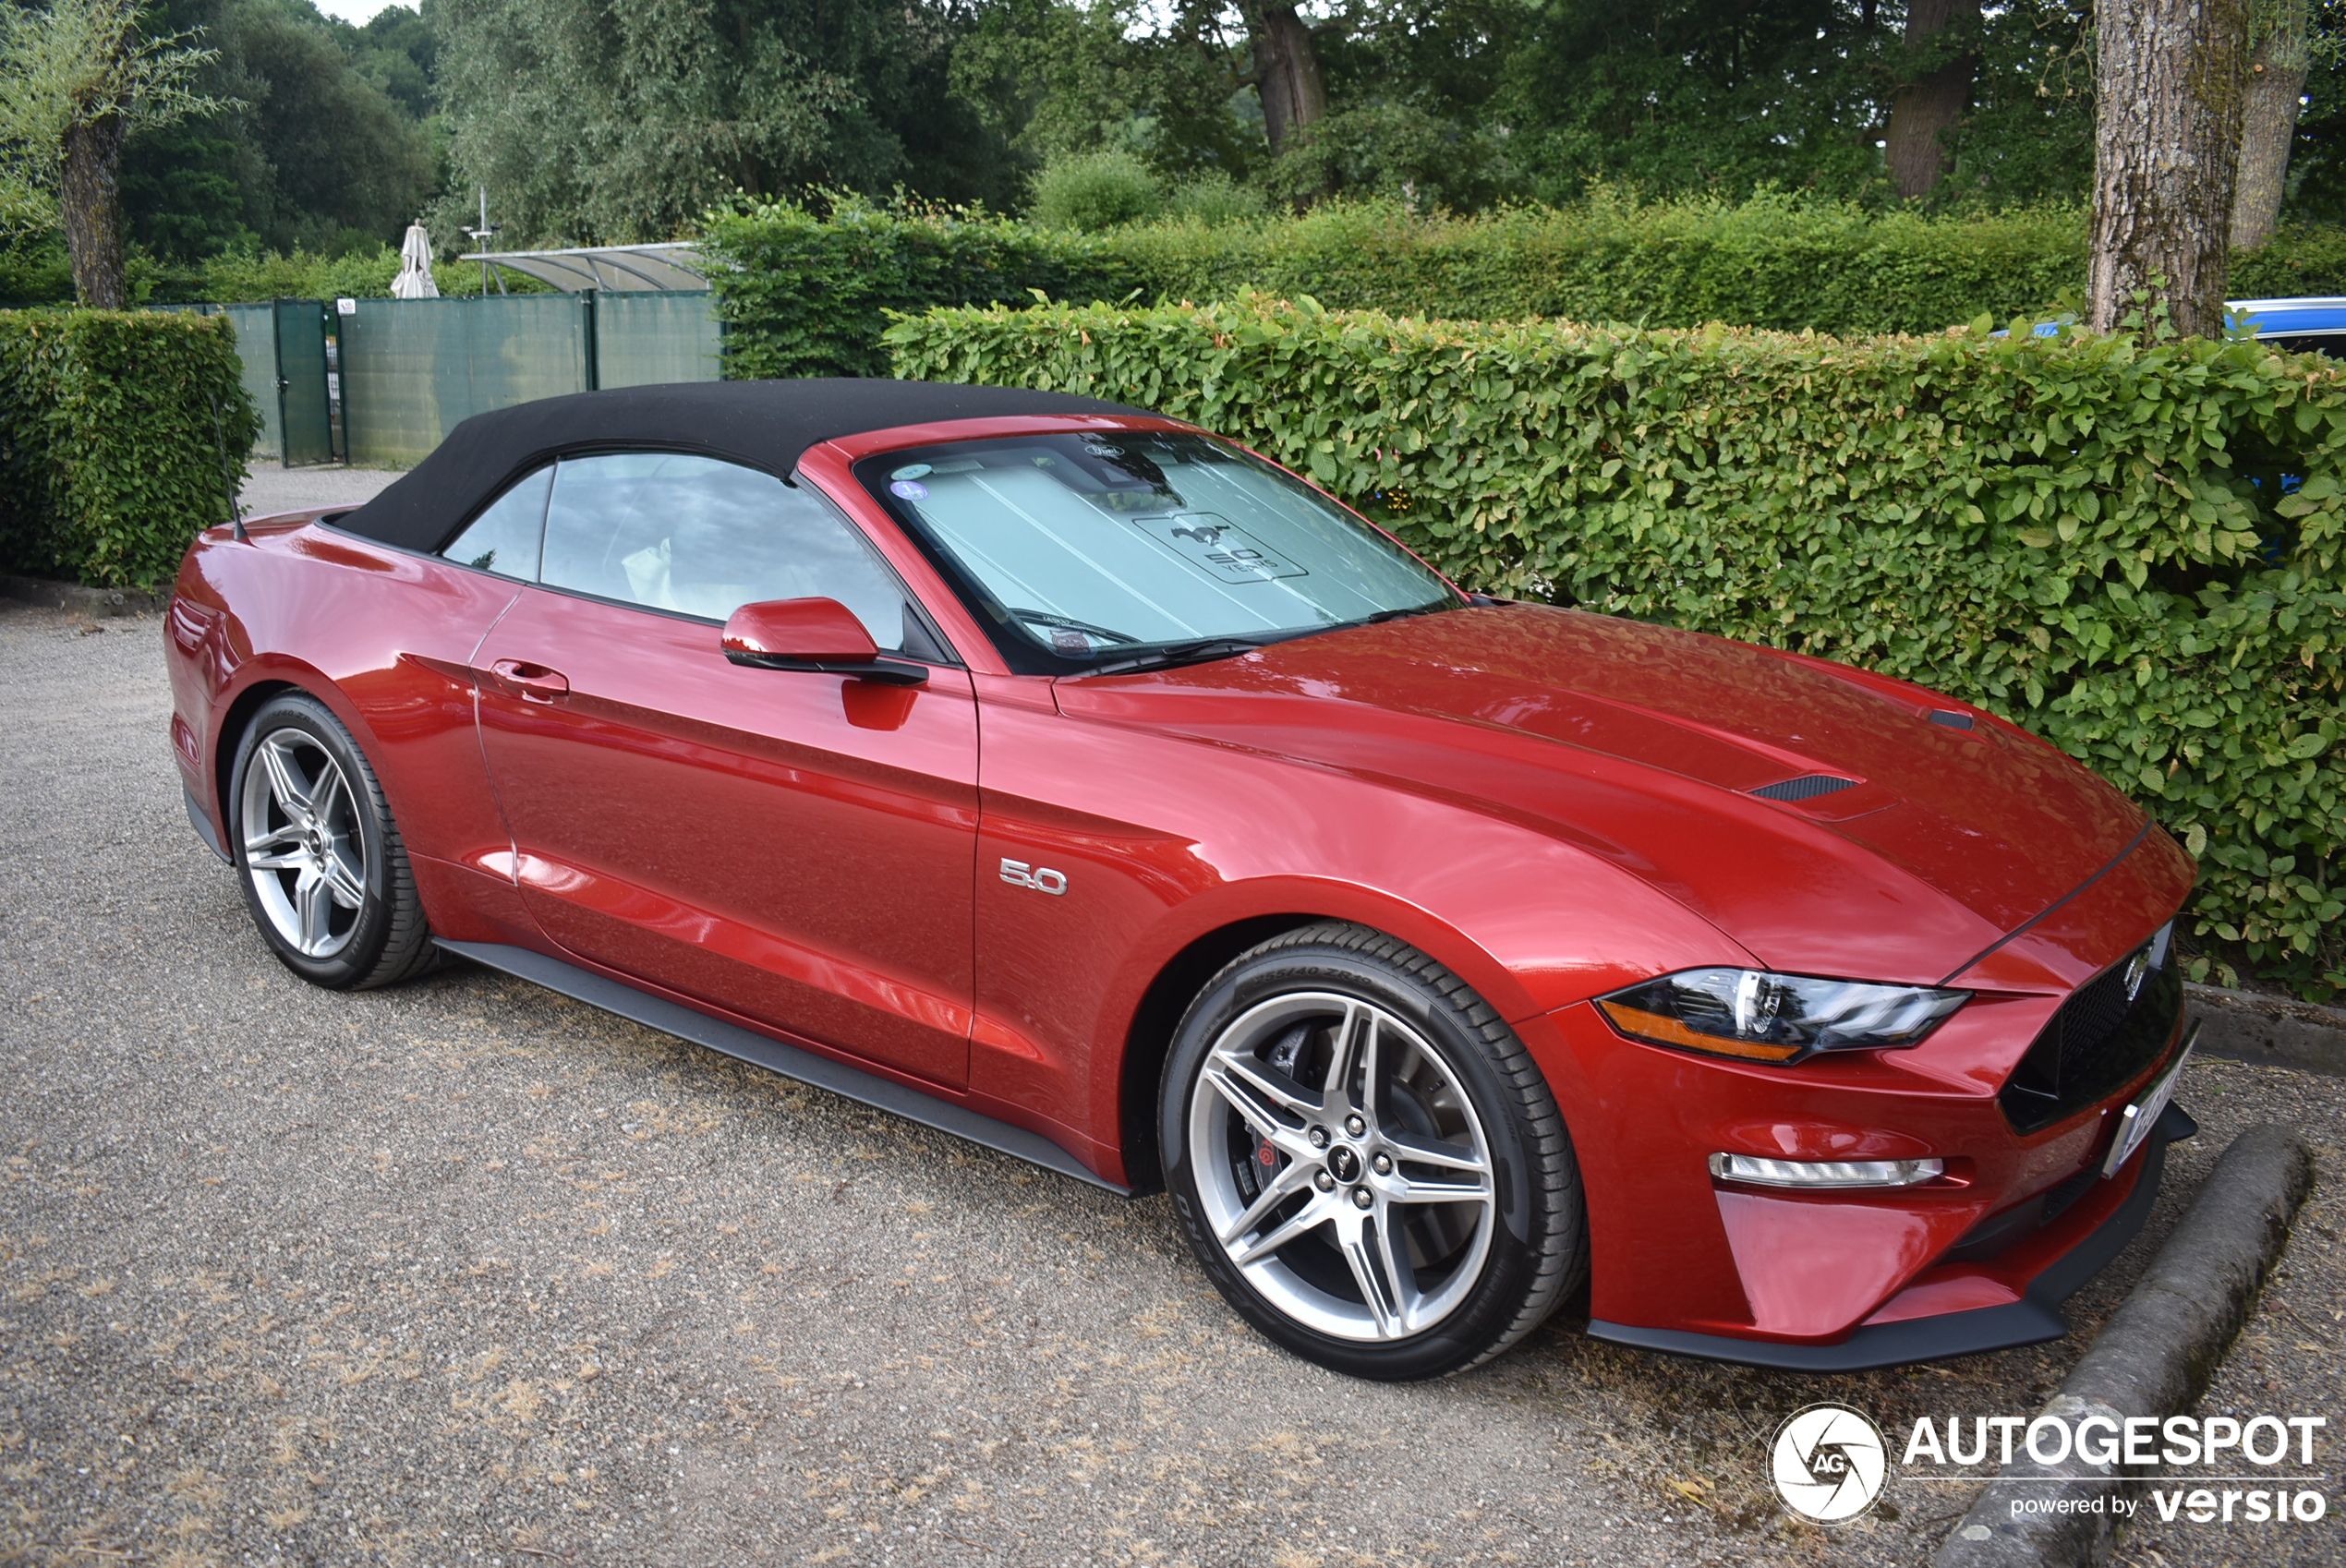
<point x="1829" y="1463"/>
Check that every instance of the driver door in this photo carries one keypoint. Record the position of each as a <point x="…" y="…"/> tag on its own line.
<point x="793" y="847"/>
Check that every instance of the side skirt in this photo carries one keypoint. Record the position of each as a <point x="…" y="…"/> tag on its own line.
<point x="851" y="1083"/>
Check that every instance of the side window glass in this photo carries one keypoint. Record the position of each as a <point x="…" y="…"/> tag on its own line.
<point x="504" y="539"/>
<point x="698" y="537"/>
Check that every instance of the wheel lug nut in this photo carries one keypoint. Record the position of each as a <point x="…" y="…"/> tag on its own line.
<point x="1319" y="1136"/>
<point x="1323" y="1181"/>
<point x="1362" y="1198"/>
<point x="1382" y="1164"/>
<point x="1355" y="1126"/>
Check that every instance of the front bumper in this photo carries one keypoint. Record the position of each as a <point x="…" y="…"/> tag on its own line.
<point x="2032" y="1320"/>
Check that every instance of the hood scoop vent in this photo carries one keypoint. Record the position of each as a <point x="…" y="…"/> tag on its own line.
<point x="1806" y="788"/>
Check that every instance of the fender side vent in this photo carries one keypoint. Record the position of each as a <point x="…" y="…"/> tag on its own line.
<point x="1807" y="787"/>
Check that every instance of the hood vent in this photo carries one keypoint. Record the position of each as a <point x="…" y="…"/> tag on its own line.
<point x="1807" y="787"/>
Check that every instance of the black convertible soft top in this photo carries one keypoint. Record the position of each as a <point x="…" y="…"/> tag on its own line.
<point x="765" y="424"/>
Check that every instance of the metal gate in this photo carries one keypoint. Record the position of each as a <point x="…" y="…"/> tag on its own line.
<point x="304" y="404"/>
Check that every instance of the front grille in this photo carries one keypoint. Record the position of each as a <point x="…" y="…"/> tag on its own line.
<point x="1806" y="788"/>
<point x="2092" y="1046"/>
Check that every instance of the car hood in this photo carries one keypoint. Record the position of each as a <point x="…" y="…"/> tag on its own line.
<point x="1644" y="745"/>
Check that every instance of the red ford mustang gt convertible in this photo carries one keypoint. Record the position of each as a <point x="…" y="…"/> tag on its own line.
<point x="1068" y="778"/>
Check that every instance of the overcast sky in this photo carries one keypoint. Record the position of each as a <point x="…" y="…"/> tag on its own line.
<point x="354" y="10"/>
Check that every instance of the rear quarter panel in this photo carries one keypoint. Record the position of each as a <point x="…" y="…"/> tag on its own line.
<point x="381" y="637"/>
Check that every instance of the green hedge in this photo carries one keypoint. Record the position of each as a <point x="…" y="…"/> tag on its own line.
<point x="801" y="295"/>
<point x="807" y="296"/>
<point x="2081" y="534"/>
<point x="121" y="434"/>
<point x="2304" y="260"/>
<point x="1768" y="262"/>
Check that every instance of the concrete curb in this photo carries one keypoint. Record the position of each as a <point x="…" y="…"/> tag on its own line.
<point x="2274" y="1030"/>
<point x="73" y="596"/>
<point x="2156" y="1356"/>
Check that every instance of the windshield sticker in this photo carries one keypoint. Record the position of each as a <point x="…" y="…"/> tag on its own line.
<point x="910" y="471"/>
<point x="910" y="491"/>
<point x="1222" y="549"/>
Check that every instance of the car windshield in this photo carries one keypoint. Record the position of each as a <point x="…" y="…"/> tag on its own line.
<point x="1124" y="548"/>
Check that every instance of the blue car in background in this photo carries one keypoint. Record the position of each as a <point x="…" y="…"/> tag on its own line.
<point x="2300" y="325"/>
<point x="2311" y="325"/>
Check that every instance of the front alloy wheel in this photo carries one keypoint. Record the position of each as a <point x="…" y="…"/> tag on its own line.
<point x="1365" y="1159"/>
<point x="1335" y="1134"/>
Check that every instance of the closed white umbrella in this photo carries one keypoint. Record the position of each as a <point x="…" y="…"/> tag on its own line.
<point x="415" y="267"/>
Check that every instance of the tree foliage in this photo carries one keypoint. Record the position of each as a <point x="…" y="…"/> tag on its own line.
<point x="73" y="66"/>
<point x="588" y="120"/>
<point x="1465" y="103"/>
<point x="597" y="120"/>
<point x="320" y="147"/>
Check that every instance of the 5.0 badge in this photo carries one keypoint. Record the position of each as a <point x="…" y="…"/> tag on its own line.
<point x="1041" y="879"/>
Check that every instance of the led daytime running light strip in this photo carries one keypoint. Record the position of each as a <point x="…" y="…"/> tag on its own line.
<point x="1752" y="1169"/>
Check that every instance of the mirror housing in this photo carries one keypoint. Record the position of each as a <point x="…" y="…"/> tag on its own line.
<point x="822" y="635"/>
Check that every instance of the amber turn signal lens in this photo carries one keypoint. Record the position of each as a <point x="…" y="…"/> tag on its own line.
<point x="1664" y="1031"/>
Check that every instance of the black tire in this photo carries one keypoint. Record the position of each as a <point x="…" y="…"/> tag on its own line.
<point x="1500" y="1284"/>
<point x="381" y="941"/>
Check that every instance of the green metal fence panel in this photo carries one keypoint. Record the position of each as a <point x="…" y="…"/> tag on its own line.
<point x="306" y="412"/>
<point x="650" y="339"/>
<point x="256" y="330"/>
<point x="412" y="369"/>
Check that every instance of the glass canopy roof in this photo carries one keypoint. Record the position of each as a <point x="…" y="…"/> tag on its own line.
<point x="614" y="268"/>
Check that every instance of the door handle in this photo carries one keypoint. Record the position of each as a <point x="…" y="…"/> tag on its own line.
<point x="535" y="681"/>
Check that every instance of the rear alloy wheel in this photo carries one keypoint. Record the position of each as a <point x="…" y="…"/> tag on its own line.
<point x="324" y="873"/>
<point x="1366" y="1160"/>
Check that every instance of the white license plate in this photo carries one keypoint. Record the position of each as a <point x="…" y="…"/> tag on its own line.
<point x="2136" y="1120"/>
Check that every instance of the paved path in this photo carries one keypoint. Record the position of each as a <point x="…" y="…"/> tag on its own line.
<point x="463" y="1273"/>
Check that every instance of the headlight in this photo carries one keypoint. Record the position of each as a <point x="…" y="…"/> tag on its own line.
<point x="1775" y="1017"/>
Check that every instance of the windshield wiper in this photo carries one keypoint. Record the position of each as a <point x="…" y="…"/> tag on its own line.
<point x="1198" y="652"/>
<point x="1384" y="615"/>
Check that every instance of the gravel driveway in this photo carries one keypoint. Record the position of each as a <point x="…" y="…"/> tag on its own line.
<point x="466" y="1273"/>
<point x="270" y="486"/>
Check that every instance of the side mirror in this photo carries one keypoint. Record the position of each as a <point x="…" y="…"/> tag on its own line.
<point x="815" y="635"/>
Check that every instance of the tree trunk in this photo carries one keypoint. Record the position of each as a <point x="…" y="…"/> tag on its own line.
<point x="1287" y="67"/>
<point x="92" y="197"/>
<point x="2275" y="80"/>
<point x="1921" y="109"/>
<point x="2170" y="79"/>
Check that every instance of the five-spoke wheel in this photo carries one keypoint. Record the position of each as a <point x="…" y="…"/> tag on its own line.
<point x="1334" y="1135"/>
<point x="325" y="875"/>
<point x="1366" y="1160"/>
<point x="303" y="850"/>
